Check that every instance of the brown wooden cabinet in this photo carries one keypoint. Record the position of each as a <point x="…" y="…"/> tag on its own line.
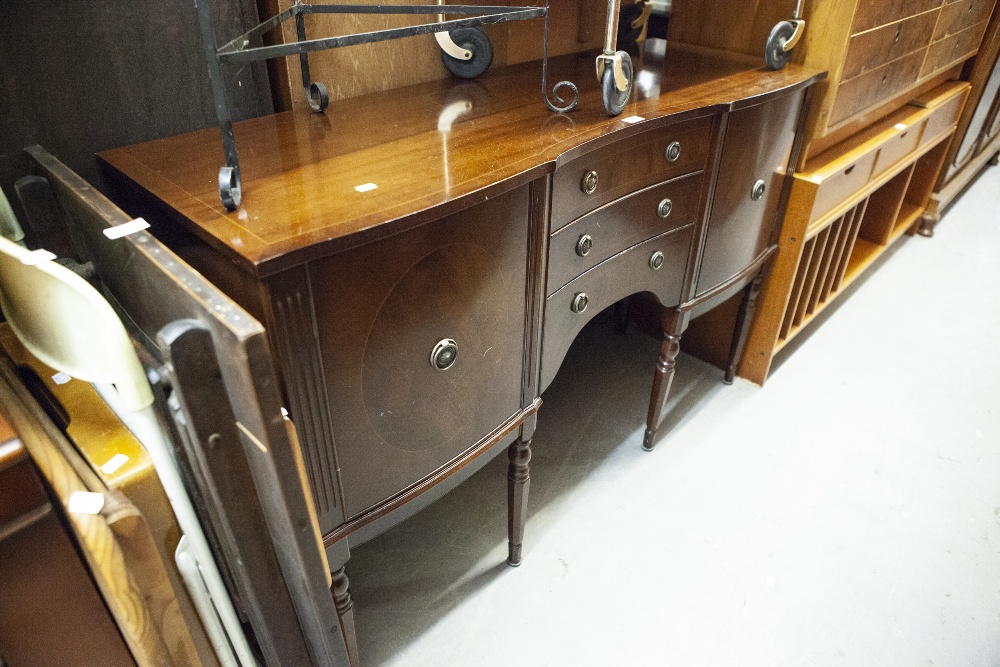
<point x="421" y="281"/>
<point x="977" y="137"/>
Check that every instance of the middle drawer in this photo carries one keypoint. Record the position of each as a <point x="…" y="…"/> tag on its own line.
<point x="621" y="224"/>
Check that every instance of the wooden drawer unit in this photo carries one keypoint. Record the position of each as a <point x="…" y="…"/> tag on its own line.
<point x="874" y="13"/>
<point x="902" y="140"/>
<point x="607" y="173"/>
<point x="879" y="84"/>
<point x="587" y="242"/>
<point x="957" y="16"/>
<point x="944" y="105"/>
<point x="628" y="272"/>
<point x="957" y="47"/>
<point x="869" y="50"/>
<point x="398" y="416"/>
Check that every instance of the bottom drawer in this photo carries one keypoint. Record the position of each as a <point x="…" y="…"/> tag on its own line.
<point x="628" y="272"/>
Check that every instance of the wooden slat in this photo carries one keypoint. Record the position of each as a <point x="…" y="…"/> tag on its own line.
<point x="849" y="247"/>
<point x="796" y="293"/>
<point x="838" y="252"/>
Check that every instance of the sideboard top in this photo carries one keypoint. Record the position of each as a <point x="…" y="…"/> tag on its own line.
<point x="428" y="150"/>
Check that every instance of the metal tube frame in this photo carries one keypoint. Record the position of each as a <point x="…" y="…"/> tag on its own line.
<point x="239" y="51"/>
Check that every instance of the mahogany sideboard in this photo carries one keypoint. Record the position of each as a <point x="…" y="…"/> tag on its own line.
<point x="422" y="259"/>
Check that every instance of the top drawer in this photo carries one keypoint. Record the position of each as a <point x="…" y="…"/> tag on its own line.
<point x="873" y="13"/>
<point x="620" y="168"/>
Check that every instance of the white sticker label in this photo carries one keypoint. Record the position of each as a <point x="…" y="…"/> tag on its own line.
<point x="85" y="502"/>
<point x="900" y="126"/>
<point x="37" y="257"/>
<point x="366" y="187"/>
<point x="114" y="464"/>
<point x="633" y="119"/>
<point x="119" y="231"/>
<point x="61" y="377"/>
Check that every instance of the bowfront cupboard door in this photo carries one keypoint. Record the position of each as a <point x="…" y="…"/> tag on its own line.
<point x="412" y="352"/>
<point x="758" y="144"/>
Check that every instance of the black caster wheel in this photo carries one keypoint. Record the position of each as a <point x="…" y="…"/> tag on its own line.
<point x="774" y="51"/>
<point x="614" y="99"/>
<point x="230" y="191"/>
<point x="317" y="97"/>
<point x="476" y="41"/>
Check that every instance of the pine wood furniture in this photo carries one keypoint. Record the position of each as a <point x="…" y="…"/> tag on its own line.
<point x="977" y="138"/>
<point x="422" y="259"/>
<point x="847" y="207"/>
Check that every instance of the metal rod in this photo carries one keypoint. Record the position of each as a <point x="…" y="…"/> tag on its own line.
<point x="277" y="51"/>
<point x="560" y="105"/>
<point x="300" y="31"/>
<point x="470" y="10"/>
<point x="218" y="85"/>
<point x="611" y="34"/>
<point x="268" y="25"/>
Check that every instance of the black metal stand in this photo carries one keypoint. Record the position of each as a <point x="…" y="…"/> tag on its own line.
<point x="239" y="51"/>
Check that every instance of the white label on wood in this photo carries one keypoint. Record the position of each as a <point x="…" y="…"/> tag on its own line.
<point x="132" y="227"/>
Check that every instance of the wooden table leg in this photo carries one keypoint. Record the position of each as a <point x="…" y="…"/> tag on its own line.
<point x="345" y="614"/>
<point x="674" y="324"/>
<point x="518" y="481"/>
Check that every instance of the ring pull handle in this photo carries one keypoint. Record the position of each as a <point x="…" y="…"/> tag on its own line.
<point x="673" y="152"/>
<point x="656" y="260"/>
<point x="664" y="208"/>
<point x="584" y="245"/>
<point x="444" y="354"/>
<point x="589" y="182"/>
<point x="758" y="190"/>
<point x="579" y="304"/>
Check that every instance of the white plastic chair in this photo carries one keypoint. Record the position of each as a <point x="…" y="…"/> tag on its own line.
<point x="68" y="325"/>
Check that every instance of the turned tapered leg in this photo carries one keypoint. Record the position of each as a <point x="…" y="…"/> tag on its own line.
<point x="661" y="385"/>
<point x="744" y="317"/>
<point x="518" y="480"/>
<point x="345" y="613"/>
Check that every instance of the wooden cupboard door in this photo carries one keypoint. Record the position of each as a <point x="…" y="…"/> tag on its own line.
<point x="970" y="140"/>
<point x="380" y="312"/>
<point x="755" y="158"/>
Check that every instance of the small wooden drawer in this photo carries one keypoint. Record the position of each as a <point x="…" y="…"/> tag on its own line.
<point x="587" y="242"/>
<point x="872" y="49"/>
<point x="628" y="272"/>
<point x="945" y="104"/>
<point x="626" y="166"/>
<point x="837" y="181"/>
<point x="958" y="16"/>
<point x="876" y="86"/>
<point x="902" y="143"/>
<point x="953" y="49"/>
<point x="874" y="13"/>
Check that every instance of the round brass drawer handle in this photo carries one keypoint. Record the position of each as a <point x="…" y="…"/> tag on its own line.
<point x="656" y="261"/>
<point x="579" y="302"/>
<point x="673" y="151"/>
<point x="444" y="354"/>
<point x="584" y="245"/>
<point x="758" y="190"/>
<point x="664" y="208"/>
<point x="589" y="182"/>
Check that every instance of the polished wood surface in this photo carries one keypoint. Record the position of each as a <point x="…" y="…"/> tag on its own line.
<point x="300" y="170"/>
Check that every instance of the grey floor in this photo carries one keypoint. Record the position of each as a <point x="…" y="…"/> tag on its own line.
<point x="846" y="514"/>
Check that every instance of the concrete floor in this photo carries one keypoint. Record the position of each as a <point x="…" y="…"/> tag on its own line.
<point x="847" y="514"/>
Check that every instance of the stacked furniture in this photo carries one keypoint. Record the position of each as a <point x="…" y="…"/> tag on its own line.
<point x="423" y="259"/>
<point x="876" y="139"/>
<point x="977" y="138"/>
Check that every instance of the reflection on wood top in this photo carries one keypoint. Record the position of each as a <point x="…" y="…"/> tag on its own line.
<point x="430" y="149"/>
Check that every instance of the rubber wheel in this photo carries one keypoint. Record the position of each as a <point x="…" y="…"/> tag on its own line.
<point x="774" y="52"/>
<point x="614" y="99"/>
<point x="476" y="41"/>
<point x="317" y="97"/>
<point x="230" y="189"/>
